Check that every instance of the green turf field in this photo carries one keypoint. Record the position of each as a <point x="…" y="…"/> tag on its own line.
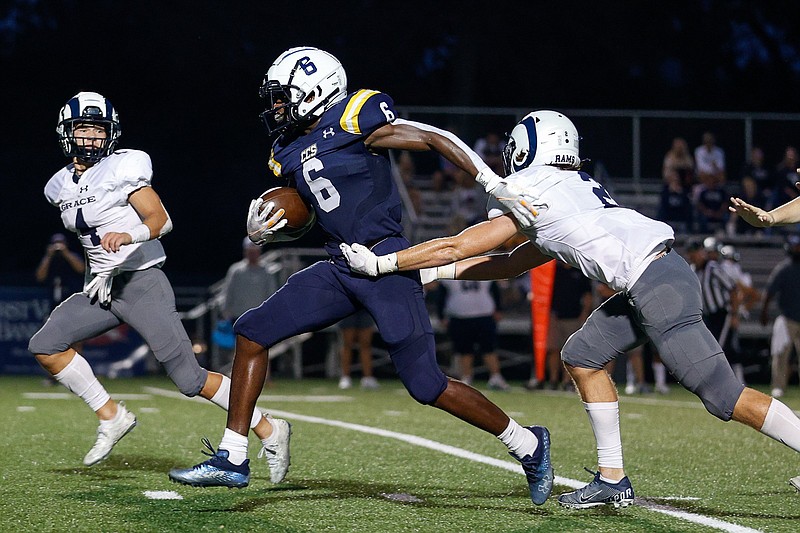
<point x="344" y="478"/>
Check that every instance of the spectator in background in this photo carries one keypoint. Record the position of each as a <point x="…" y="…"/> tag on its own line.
<point x="490" y="148"/>
<point x="247" y="284"/>
<point x="709" y="160"/>
<point x="711" y="204"/>
<point x="470" y="310"/>
<point x="679" y="161"/>
<point x="357" y="331"/>
<point x="786" y="329"/>
<point x="786" y="178"/>
<point x="758" y="181"/>
<point x="675" y="206"/>
<point x="572" y="303"/>
<point x="61" y="268"/>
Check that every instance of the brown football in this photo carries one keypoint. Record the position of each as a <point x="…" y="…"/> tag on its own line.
<point x="299" y="215"/>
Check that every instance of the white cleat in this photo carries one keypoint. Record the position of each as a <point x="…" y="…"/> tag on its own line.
<point x="345" y="382"/>
<point x="795" y="482"/>
<point x="369" y="383"/>
<point x="277" y="451"/>
<point x="109" y="435"/>
<point x="496" y="382"/>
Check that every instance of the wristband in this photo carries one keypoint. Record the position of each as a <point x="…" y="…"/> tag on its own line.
<point x="488" y="179"/>
<point x="446" y="271"/>
<point x="387" y="263"/>
<point x="140" y="233"/>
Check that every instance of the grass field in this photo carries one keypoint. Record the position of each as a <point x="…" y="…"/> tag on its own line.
<point x="345" y="476"/>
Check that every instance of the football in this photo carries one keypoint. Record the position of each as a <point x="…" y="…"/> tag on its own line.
<point x="299" y="215"/>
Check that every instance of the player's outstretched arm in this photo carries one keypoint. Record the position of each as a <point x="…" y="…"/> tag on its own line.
<point x="155" y="221"/>
<point x="475" y="240"/>
<point x="788" y="213"/>
<point x="500" y="266"/>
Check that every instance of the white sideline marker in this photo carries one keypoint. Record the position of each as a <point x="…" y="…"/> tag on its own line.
<point x="162" y="495"/>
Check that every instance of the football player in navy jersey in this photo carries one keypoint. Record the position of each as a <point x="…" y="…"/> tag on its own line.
<point x="333" y="147"/>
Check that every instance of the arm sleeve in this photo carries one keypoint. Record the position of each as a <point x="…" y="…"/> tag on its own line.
<point x="479" y="163"/>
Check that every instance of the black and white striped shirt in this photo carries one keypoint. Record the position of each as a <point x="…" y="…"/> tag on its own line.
<point x="717" y="287"/>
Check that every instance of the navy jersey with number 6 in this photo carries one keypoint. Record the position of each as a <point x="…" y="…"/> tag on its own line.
<point x="350" y="187"/>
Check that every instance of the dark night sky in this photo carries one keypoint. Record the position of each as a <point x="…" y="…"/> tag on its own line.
<point x="184" y="77"/>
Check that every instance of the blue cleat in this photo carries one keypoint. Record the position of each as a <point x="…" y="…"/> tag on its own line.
<point x="215" y="472"/>
<point x="537" y="467"/>
<point x="599" y="492"/>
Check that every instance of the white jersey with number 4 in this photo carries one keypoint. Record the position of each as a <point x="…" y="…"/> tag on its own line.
<point x="97" y="202"/>
<point x="580" y="224"/>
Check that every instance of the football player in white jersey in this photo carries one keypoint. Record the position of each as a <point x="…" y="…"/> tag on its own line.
<point x="105" y="196"/>
<point x="658" y="299"/>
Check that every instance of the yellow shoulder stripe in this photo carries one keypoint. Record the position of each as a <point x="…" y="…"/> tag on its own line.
<point x="349" y="120"/>
<point x="274" y="165"/>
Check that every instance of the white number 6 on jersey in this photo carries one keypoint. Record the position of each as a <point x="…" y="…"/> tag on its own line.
<point x="326" y="194"/>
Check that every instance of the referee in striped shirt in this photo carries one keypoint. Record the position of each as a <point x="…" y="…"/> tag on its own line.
<point x="721" y="299"/>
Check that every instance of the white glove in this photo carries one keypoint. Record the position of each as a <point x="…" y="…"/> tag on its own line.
<point x="522" y="205"/>
<point x="262" y="223"/>
<point x="100" y="287"/>
<point x="362" y="260"/>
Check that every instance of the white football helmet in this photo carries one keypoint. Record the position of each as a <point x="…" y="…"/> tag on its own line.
<point x="88" y="108"/>
<point x="542" y="138"/>
<point x="300" y="85"/>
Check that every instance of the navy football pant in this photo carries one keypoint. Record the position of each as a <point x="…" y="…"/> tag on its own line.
<point x="326" y="292"/>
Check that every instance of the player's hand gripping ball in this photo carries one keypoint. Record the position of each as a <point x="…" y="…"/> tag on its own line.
<point x="280" y="214"/>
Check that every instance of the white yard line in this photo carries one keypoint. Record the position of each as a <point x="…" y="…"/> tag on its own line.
<point x="478" y="458"/>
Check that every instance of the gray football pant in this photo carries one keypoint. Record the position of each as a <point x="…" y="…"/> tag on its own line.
<point x="664" y="306"/>
<point x="145" y="301"/>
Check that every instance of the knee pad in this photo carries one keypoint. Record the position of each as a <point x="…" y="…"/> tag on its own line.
<point x="577" y="352"/>
<point x="46" y="342"/>
<point x="187" y="374"/>
<point x="416" y="365"/>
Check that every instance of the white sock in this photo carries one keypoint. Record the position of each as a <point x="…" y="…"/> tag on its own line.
<point x="79" y="378"/>
<point x="604" y="419"/>
<point x="222" y="399"/>
<point x="235" y="444"/>
<point x="782" y="425"/>
<point x="520" y="441"/>
<point x="660" y="373"/>
<point x="272" y="436"/>
<point x="116" y="417"/>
